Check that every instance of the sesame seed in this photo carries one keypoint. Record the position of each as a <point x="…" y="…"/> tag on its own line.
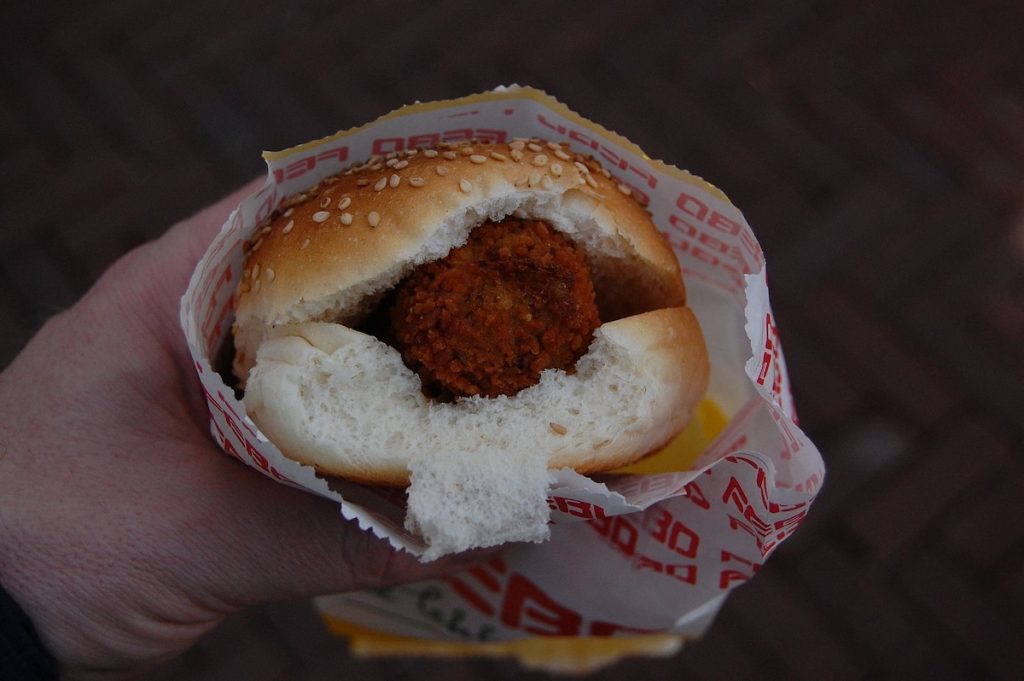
<point x="411" y="152"/>
<point x="546" y="182"/>
<point x="392" y="163"/>
<point x="380" y="184"/>
<point x="533" y="146"/>
<point x="344" y="202"/>
<point x="582" y="168"/>
<point x="288" y="213"/>
<point x="401" y="164"/>
<point x="256" y="246"/>
<point x="255" y="274"/>
<point x="269" y="274"/>
<point x="518" y="145"/>
<point x="534" y="179"/>
<point x="540" y="160"/>
<point x="417" y="181"/>
<point x="553" y="146"/>
<point x="346" y="219"/>
<point x="362" y="182"/>
<point x="373" y="218"/>
<point x="256" y="286"/>
<point x="325" y="202"/>
<point x="288" y="227"/>
<point x="394" y="181"/>
<point x="556" y="169"/>
<point x="624" y="189"/>
<point x="466" y="151"/>
<point x="450" y="155"/>
<point x="591" y="181"/>
<point x="478" y="158"/>
<point x="498" y="156"/>
<point x="562" y="155"/>
<point x="441" y="170"/>
<point x="604" y="171"/>
<point x="304" y="243"/>
<point x="516" y="155"/>
<point x="521" y="181"/>
<point x="321" y="216"/>
<point x="558" y="428"/>
<point x="466" y="186"/>
<point x="391" y="155"/>
<point x="430" y="153"/>
<point x="377" y="166"/>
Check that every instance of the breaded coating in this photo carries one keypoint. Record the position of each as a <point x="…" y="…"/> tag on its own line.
<point x="487" y="319"/>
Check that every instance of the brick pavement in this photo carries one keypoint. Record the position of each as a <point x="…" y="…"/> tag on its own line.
<point x="876" y="148"/>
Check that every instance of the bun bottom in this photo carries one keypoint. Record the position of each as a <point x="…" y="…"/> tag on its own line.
<point x="344" y="402"/>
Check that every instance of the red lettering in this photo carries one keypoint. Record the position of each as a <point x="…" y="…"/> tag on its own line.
<point x="682" y="532"/>
<point x="666" y="530"/>
<point x="575" y="507"/>
<point x="528" y="608"/>
<point x="692" y="206"/>
<point x="651" y="180"/>
<point x="471" y="597"/>
<point x="339" y="154"/>
<point x="684" y="573"/>
<point x="583" y="139"/>
<point x="682" y="226"/>
<point x="424" y="141"/>
<point x="386" y="145"/>
<point x="724" y="224"/>
<point x="619" y="532"/>
<point x="548" y="124"/>
<point x="458" y="135"/>
<point x="728" y="556"/>
<point x="624" y="536"/>
<point x="488" y="135"/>
<point x="696" y="495"/>
<point x="613" y="158"/>
<point x="728" y="576"/>
<point x="734" y="493"/>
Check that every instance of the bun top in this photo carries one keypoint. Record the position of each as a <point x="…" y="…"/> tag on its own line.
<point x="333" y="250"/>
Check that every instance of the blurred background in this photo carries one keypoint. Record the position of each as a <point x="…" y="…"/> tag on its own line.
<point x="877" y="149"/>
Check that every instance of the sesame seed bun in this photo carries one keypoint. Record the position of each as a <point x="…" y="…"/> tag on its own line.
<point x="343" y="401"/>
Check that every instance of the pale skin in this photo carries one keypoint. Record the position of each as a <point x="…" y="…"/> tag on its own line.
<point x="125" y="533"/>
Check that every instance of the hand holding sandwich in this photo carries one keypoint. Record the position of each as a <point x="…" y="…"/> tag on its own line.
<point x="125" y="534"/>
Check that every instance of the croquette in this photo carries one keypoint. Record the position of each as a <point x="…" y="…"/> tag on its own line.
<point x="488" y="318"/>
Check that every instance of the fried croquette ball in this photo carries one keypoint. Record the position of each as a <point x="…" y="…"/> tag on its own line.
<point x="488" y="318"/>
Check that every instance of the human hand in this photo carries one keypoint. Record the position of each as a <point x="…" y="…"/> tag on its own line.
<point x="125" y="534"/>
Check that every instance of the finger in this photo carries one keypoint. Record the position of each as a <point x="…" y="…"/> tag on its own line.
<point x="284" y="543"/>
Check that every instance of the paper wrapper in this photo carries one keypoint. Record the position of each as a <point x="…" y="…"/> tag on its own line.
<point x="644" y="559"/>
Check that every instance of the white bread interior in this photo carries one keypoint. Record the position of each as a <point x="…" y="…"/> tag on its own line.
<point x="343" y="401"/>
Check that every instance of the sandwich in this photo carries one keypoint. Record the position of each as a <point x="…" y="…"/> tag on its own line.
<point x="503" y="299"/>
